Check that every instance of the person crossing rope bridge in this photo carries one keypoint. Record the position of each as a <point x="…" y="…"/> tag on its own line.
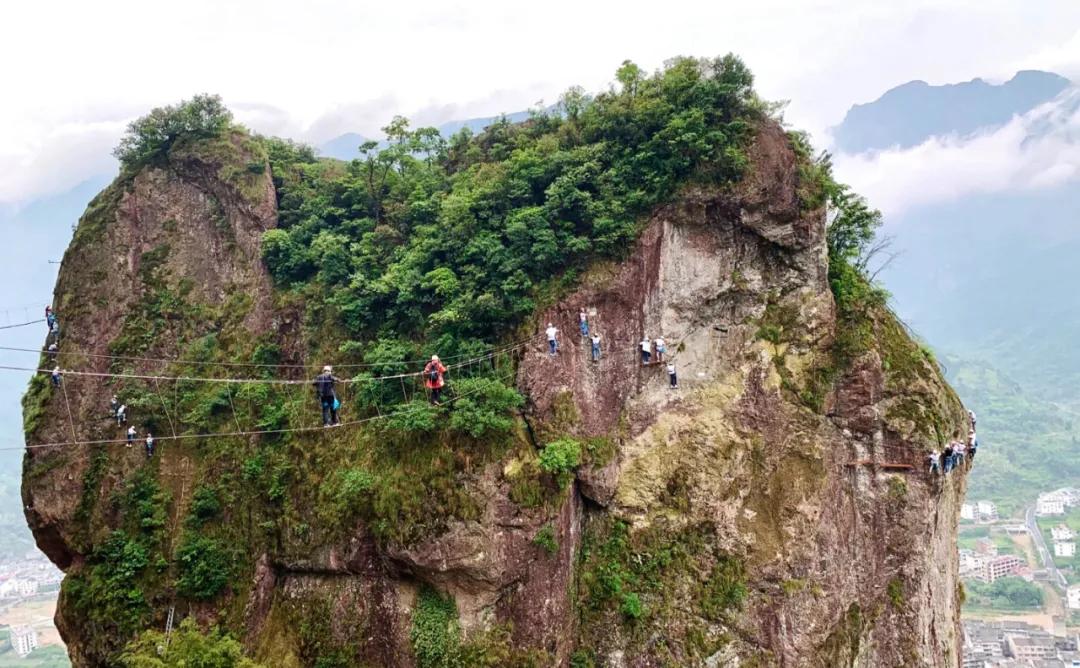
<point x="243" y="433"/>
<point x="435" y="378"/>
<point x="324" y="388"/>
<point x="331" y="406"/>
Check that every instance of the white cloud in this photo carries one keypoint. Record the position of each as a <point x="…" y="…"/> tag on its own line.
<point x="328" y="66"/>
<point x="1062" y="57"/>
<point x="1040" y="149"/>
<point x="58" y="160"/>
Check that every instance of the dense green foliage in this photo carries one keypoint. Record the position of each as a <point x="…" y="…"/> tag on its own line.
<point x="108" y="589"/>
<point x="112" y="591"/>
<point x="451" y="241"/>
<point x="150" y="137"/>
<point x="561" y="458"/>
<point x="187" y="648"/>
<point x="1006" y="593"/>
<point x="205" y="567"/>
<point x="205" y="506"/>
<point x="435" y="634"/>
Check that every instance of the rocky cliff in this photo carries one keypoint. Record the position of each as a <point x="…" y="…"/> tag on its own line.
<point x="772" y="511"/>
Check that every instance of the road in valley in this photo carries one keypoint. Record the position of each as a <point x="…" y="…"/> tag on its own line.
<point x="1044" y="553"/>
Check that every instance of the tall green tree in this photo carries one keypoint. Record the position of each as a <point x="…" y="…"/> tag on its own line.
<point x="149" y="138"/>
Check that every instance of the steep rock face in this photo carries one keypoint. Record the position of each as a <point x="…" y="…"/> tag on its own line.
<point x="181" y="243"/>
<point x="849" y="548"/>
<point x="759" y="515"/>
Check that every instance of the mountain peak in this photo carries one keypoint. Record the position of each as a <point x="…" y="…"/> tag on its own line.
<point x="913" y="112"/>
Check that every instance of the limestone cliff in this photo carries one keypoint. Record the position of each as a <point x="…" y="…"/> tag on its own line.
<point x="772" y="511"/>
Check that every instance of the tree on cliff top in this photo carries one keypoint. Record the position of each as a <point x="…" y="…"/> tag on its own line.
<point x="149" y="138"/>
<point x="453" y="242"/>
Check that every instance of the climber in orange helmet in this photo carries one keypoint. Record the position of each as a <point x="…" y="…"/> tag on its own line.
<point x="434" y="378"/>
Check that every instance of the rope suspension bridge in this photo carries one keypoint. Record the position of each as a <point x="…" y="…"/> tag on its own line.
<point x="489" y="359"/>
<point x="254" y="432"/>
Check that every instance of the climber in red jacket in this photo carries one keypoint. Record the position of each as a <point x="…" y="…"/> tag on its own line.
<point x="434" y="378"/>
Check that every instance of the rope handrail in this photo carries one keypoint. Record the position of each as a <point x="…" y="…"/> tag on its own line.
<point x="23" y="324"/>
<point x="257" y="381"/>
<point x="254" y="365"/>
<point x="305" y="381"/>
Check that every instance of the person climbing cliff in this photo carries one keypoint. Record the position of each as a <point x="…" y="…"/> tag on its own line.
<point x="947" y="457"/>
<point x="114" y="405"/>
<point x="50" y="318"/>
<point x="324" y="390"/>
<point x="934" y="459"/>
<point x="552" y="338"/>
<point x="595" y="339"/>
<point x="149" y="445"/>
<point x="131" y="433"/>
<point x="434" y="379"/>
<point x="959" y="450"/>
<point x="672" y="376"/>
<point x="646" y="350"/>
<point x="661" y="348"/>
<point x="56" y="376"/>
<point x="583" y="322"/>
<point x="973" y="444"/>
<point x="121" y="414"/>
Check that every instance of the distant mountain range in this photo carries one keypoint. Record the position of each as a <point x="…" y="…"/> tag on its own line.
<point x="910" y="114"/>
<point x="346" y="146"/>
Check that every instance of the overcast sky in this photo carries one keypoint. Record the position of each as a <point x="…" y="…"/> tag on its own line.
<point x="75" y="72"/>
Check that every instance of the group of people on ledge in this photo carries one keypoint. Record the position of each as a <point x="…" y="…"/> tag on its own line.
<point x="957" y="452"/>
<point x="647" y="346"/>
<point x="119" y="413"/>
<point x="325" y="383"/>
<point x="52" y="343"/>
<point x="117" y="410"/>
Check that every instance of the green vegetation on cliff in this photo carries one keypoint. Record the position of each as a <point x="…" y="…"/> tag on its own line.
<point x="150" y="138"/>
<point x="188" y="647"/>
<point x="659" y="580"/>
<point x="453" y="240"/>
